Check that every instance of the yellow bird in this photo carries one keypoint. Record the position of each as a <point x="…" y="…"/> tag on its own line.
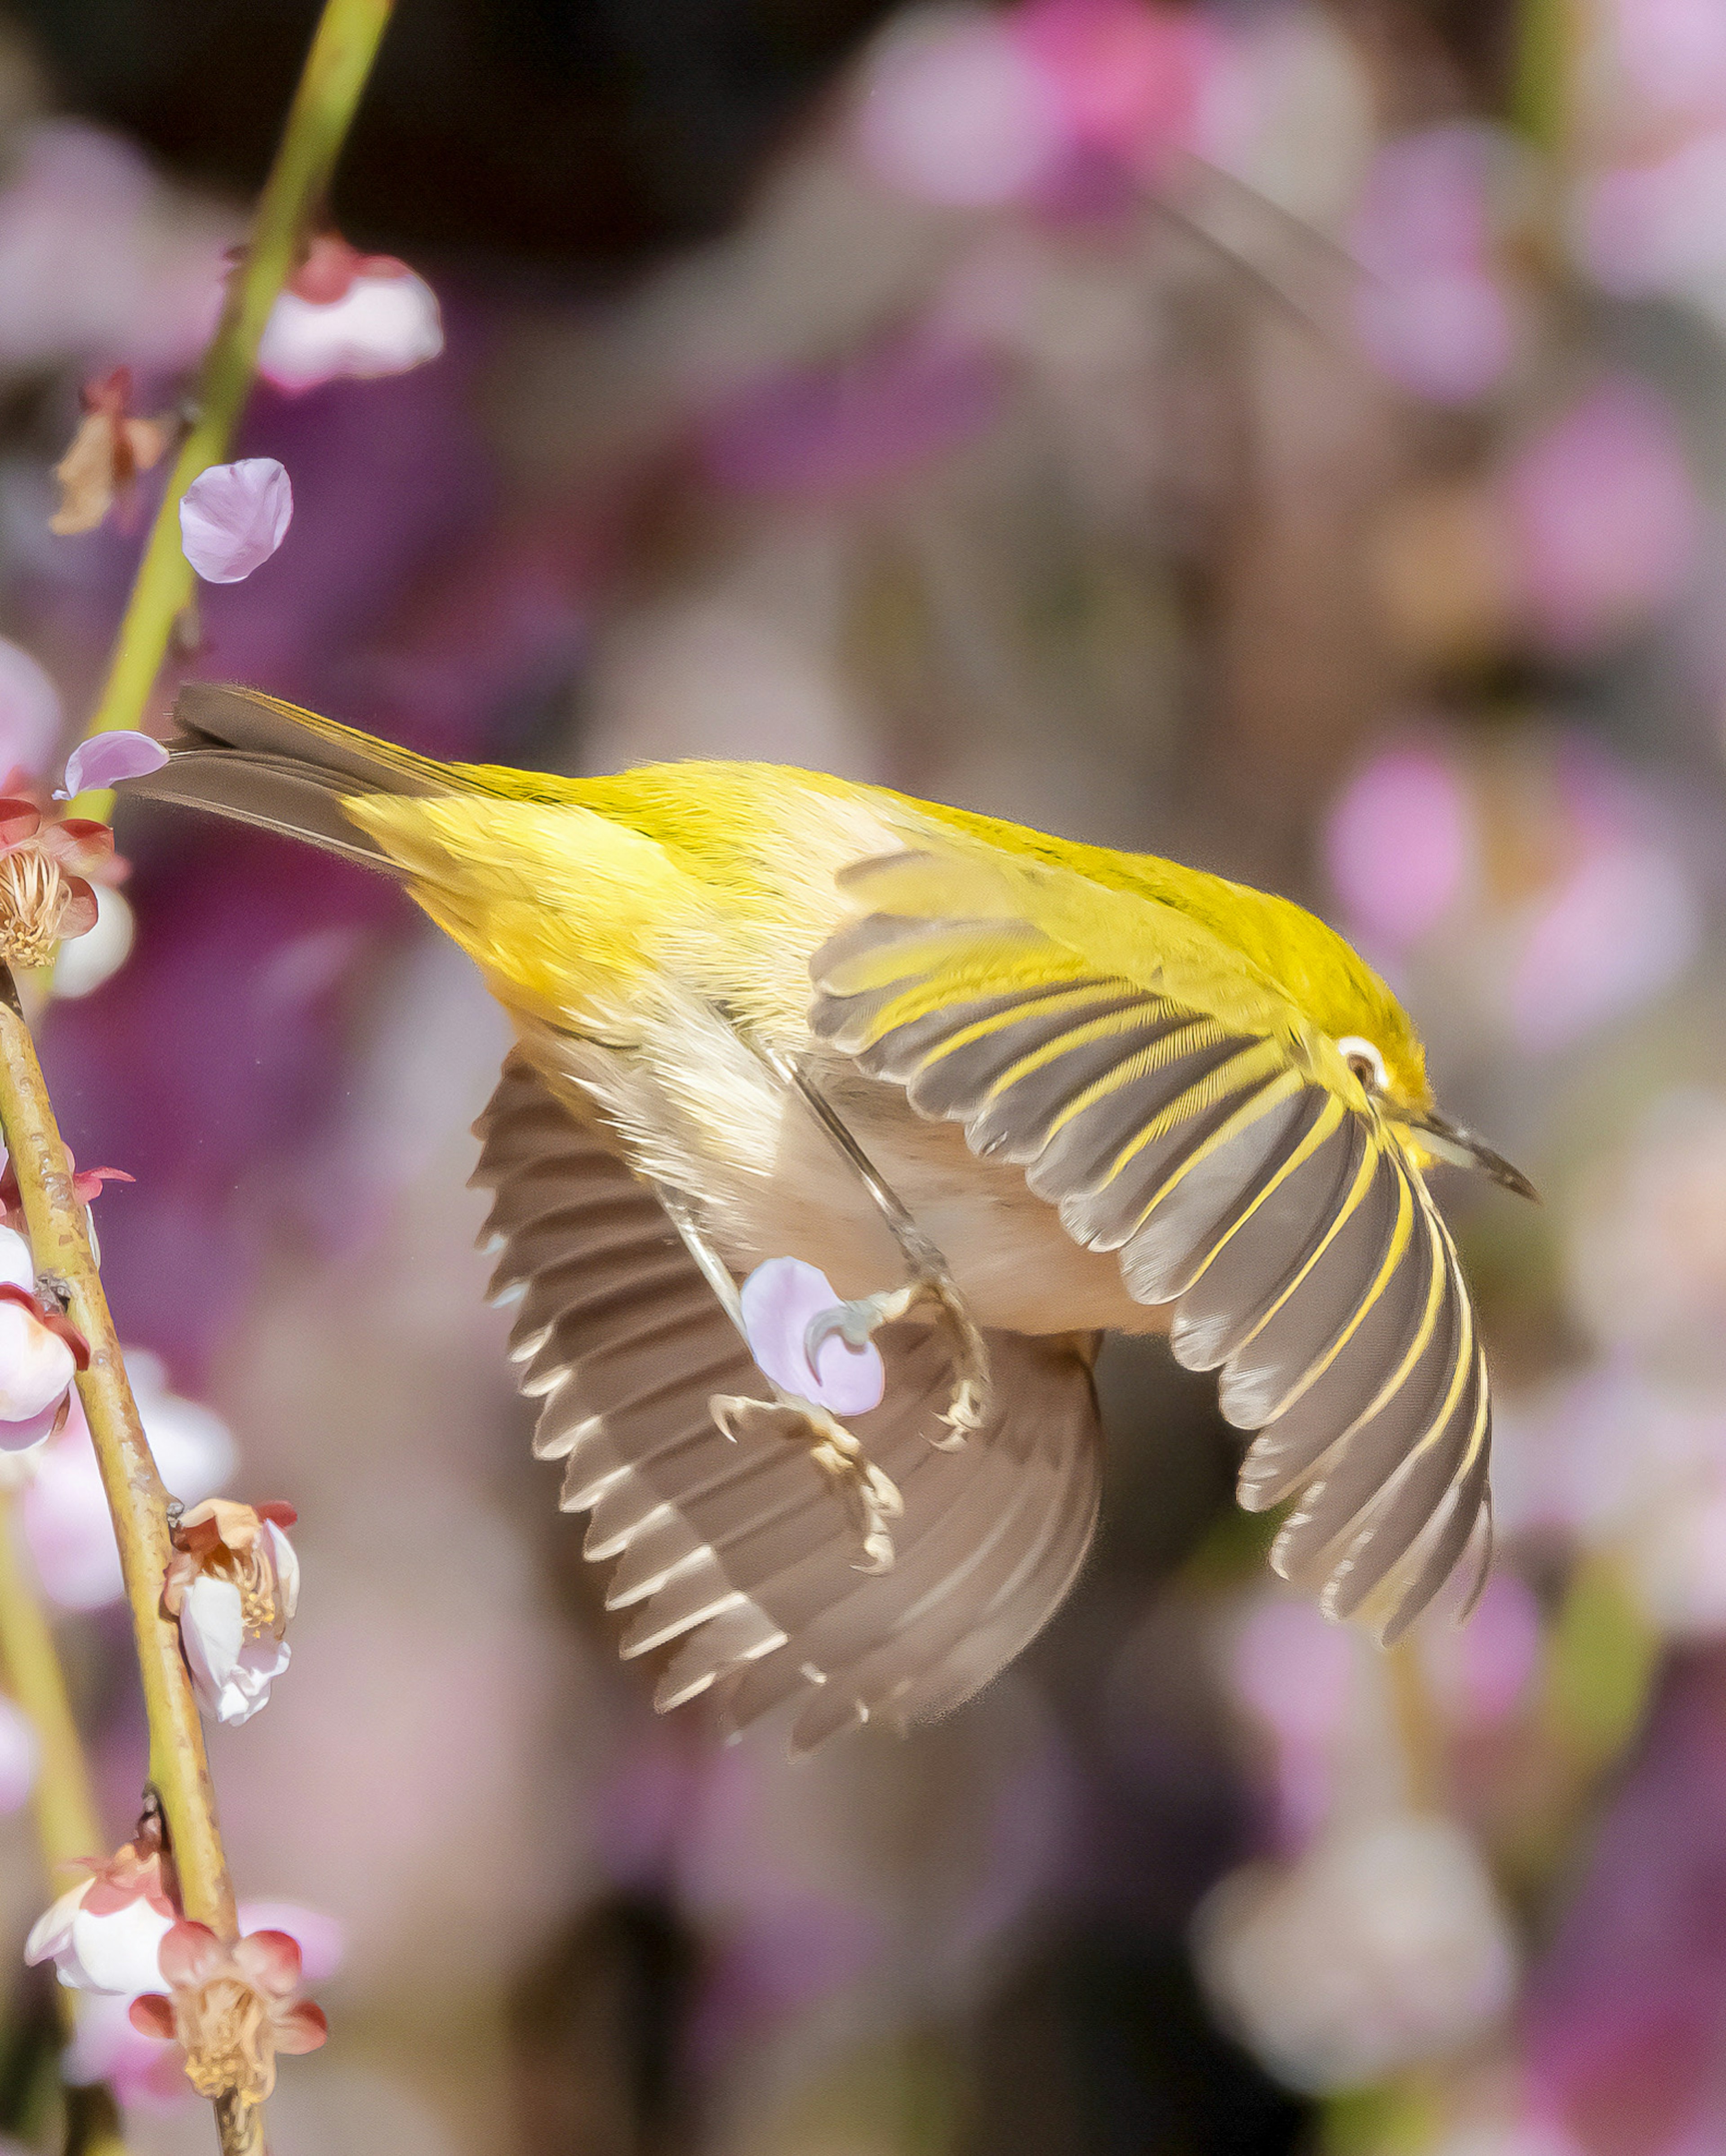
<point x="1029" y="1089"/>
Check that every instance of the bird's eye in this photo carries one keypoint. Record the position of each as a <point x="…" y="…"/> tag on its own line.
<point x="1364" y="1060"/>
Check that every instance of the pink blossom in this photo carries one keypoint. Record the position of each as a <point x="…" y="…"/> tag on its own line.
<point x="1400" y="845"/>
<point x="231" y="2009"/>
<point x="65" y="1513"/>
<point x="107" y="759"/>
<point x="102" y="1934"/>
<point x="40" y="1352"/>
<point x="233" y="518"/>
<point x="1603" y="517"/>
<point x="782" y="1299"/>
<point x="1672" y="52"/>
<point x="1128" y="80"/>
<point x="1658" y="226"/>
<point x="20" y="1755"/>
<point x="954" y="110"/>
<point x="346" y="314"/>
<point x="233" y="1584"/>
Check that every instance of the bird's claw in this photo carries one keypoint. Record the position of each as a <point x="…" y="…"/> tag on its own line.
<point x="870" y="1498"/>
<point x="855" y="1322"/>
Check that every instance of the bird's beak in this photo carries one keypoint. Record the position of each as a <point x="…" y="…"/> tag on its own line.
<point x="1451" y="1142"/>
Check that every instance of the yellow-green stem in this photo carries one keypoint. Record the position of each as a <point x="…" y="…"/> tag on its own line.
<point x="340" y="57"/>
<point x="179" y="1771"/>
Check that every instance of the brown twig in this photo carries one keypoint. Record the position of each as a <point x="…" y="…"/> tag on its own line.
<point x="179" y="1771"/>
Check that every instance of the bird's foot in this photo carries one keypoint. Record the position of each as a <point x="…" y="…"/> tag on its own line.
<point x="855" y="1322"/>
<point x="870" y="1498"/>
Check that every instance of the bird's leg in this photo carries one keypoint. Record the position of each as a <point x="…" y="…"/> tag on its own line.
<point x="931" y="1281"/>
<point x="870" y="1498"/>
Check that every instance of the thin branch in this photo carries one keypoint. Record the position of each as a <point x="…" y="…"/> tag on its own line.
<point x="337" y="68"/>
<point x="178" y="1770"/>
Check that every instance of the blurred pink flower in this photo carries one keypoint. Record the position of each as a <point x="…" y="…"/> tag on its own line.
<point x="1300" y="1675"/>
<point x="98" y="260"/>
<point x="29" y="711"/>
<point x="1623" y="925"/>
<point x="1127" y="78"/>
<point x="1603" y="517"/>
<point x="348" y="314"/>
<point x="1400" y="846"/>
<point x="954" y="110"/>
<point x="233" y="518"/>
<point x="233" y="1584"/>
<point x="20" y="1755"/>
<point x="107" y="759"/>
<point x="1672" y="52"/>
<point x="1434" y="311"/>
<point x="782" y="1299"/>
<point x="1480" y="1671"/>
<point x="65" y="1513"/>
<point x="102" y="1934"/>
<point x="1659" y="226"/>
<point x="1383" y="1946"/>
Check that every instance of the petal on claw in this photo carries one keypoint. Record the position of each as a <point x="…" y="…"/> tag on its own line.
<point x="781" y="1299"/>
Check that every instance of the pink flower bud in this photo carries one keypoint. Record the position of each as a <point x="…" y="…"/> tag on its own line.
<point x="234" y="517"/>
<point x="233" y="1584"/>
<point x="105" y="1933"/>
<point x="385" y="322"/>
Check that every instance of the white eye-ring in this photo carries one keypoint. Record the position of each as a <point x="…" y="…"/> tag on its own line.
<point x="1364" y="1060"/>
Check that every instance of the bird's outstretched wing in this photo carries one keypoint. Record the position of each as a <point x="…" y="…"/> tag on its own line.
<point x="736" y="1550"/>
<point x="1289" y="1226"/>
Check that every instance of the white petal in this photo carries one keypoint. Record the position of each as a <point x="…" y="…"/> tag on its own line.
<point x="212" y="1634"/>
<point x="246" y="1690"/>
<point x="89" y="959"/>
<point x="118" y="1952"/>
<point x="51" y="1934"/>
<point x="36" y="1365"/>
<point x="17" y="1266"/>
<point x="287" y="1567"/>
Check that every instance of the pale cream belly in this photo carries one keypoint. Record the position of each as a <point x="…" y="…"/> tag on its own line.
<point x="696" y="1109"/>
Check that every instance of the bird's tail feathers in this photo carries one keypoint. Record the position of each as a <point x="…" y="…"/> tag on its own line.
<point x="260" y="761"/>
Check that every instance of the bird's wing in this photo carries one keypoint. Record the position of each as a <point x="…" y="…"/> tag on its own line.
<point x="739" y="1550"/>
<point x="1290" y="1228"/>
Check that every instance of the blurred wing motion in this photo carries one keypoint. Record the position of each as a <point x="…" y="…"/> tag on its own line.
<point x="1290" y="1228"/>
<point x="736" y="1551"/>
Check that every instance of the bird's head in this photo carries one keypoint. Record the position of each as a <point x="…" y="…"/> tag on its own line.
<point x="1375" y="1041"/>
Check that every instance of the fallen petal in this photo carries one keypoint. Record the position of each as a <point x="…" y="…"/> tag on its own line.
<point x="234" y="517"/>
<point x="108" y="758"/>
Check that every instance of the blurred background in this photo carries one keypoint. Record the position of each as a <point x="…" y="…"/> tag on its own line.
<point x="1287" y="437"/>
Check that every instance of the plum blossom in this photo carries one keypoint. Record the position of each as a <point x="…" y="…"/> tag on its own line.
<point x="103" y="1934"/>
<point x="66" y="1519"/>
<point x="782" y="1298"/>
<point x="231" y="2009"/>
<point x="146" y="2070"/>
<point x="233" y="1582"/>
<point x="45" y="868"/>
<point x="1434" y="313"/>
<point x="233" y="517"/>
<point x="40" y="1352"/>
<point x="1383" y="1946"/>
<point x="348" y="314"/>
<point x="109" y="450"/>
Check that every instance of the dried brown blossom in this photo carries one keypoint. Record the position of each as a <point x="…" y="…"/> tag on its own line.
<point x="109" y="450"/>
